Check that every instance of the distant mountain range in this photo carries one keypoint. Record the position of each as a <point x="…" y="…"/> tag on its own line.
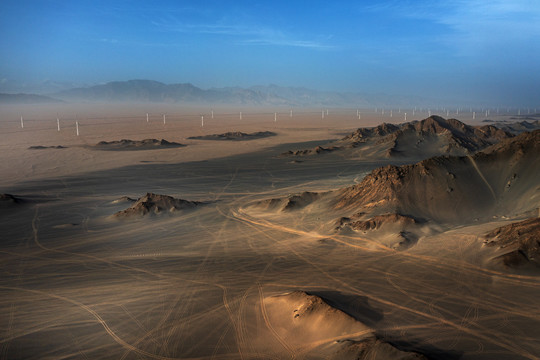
<point x="271" y="95"/>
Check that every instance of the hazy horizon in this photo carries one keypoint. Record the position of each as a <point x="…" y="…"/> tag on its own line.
<point x="480" y="51"/>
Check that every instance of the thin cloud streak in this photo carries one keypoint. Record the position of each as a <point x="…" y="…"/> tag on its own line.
<point x="254" y="35"/>
<point x="285" y="42"/>
<point x="472" y="19"/>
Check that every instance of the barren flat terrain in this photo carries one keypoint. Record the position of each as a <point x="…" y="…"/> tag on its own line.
<point x="243" y="257"/>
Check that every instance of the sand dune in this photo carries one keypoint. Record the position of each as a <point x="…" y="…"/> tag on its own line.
<point x="417" y="139"/>
<point x="521" y="240"/>
<point x="153" y="204"/>
<point x="235" y="135"/>
<point x="146" y="144"/>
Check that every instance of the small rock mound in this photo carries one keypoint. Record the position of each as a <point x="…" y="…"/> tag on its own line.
<point x="235" y="135"/>
<point x="373" y="348"/>
<point x="41" y="147"/>
<point x="381" y="221"/>
<point x="156" y="204"/>
<point x="316" y="150"/>
<point x="394" y="230"/>
<point x="292" y="202"/>
<point x="8" y="200"/>
<point x="124" y="199"/>
<point x="380" y="130"/>
<point x="522" y="239"/>
<point x="126" y="144"/>
<point x="299" y="317"/>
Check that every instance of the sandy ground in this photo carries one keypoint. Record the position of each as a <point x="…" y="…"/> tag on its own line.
<point x="77" y="284"/>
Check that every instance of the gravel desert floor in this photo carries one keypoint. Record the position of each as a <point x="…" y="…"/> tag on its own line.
<point x="225" y="279"/>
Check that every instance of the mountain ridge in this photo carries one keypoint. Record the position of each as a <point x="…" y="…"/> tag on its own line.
<point x="432" y="136"/>
<point x="269" y="95"/>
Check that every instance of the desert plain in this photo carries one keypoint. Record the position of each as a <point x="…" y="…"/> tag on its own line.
<point x="302" y="242"/>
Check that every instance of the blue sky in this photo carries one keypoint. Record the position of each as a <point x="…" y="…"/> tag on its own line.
<point x="485" y="50"/>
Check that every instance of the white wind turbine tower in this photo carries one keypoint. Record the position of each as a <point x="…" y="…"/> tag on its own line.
<point x="202" y="120"/>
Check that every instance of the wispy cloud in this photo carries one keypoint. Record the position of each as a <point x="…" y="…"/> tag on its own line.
<point x="288" y="42"/>
<point x="471" y="27"/>
<point x="246" y="35"/>
<point x="494" y="20"/>
<point x="109" y="41"/>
